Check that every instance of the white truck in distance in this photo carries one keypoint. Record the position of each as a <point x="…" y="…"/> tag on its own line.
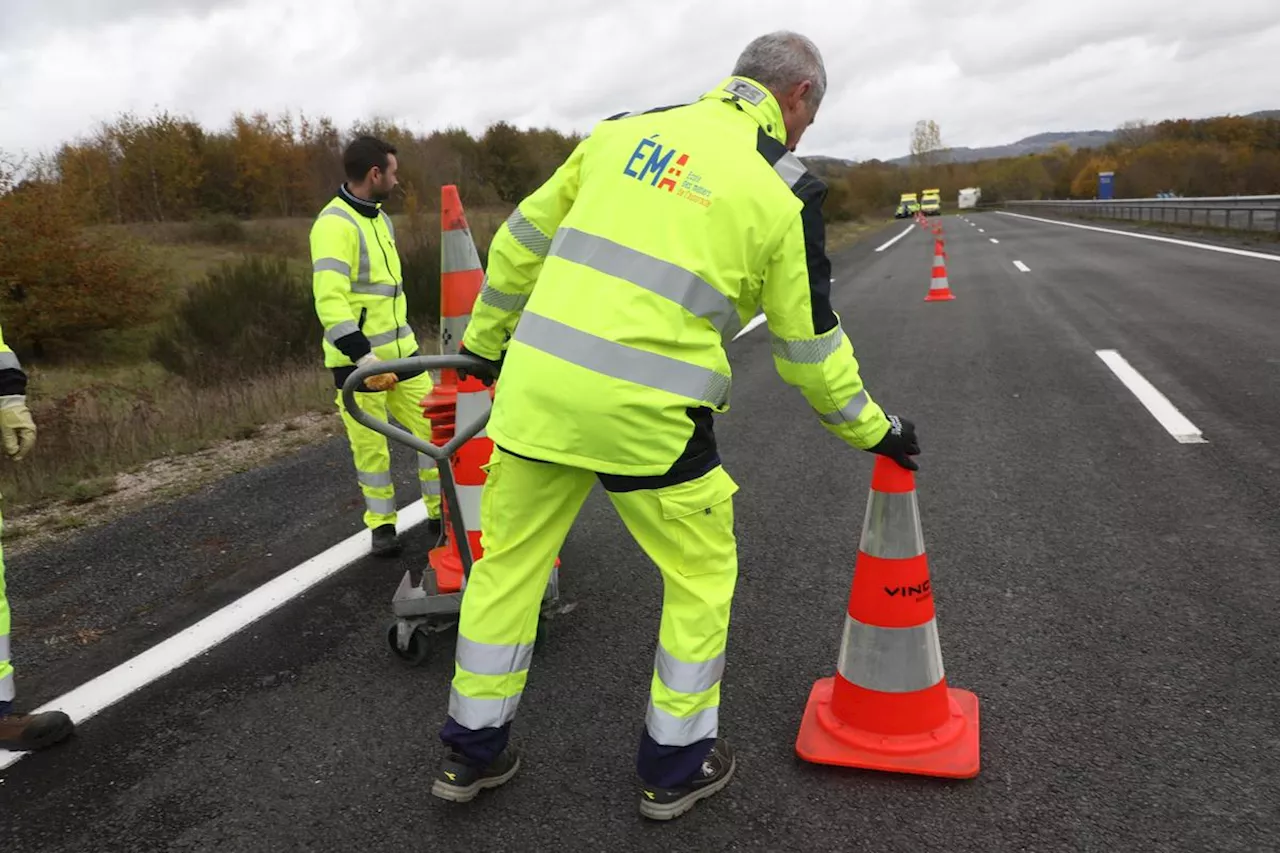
<point x="969" y="197"/>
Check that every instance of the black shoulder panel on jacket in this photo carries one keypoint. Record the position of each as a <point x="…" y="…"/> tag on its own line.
<point x="812" y="192"/>
<point x="13" y="382"/>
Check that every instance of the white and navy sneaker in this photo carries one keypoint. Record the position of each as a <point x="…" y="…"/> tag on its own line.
<point x="667" y="803"/>
<point x="459" y="781"/>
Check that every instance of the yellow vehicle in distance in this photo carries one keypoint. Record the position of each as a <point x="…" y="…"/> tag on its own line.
<point x="931" y="202"/>
<point x="907" y="206"/>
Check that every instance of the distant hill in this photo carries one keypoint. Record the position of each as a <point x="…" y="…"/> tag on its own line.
<point x="1036" y="144"/>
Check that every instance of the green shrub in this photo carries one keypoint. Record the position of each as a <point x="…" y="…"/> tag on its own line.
<point x="246" y="319"/>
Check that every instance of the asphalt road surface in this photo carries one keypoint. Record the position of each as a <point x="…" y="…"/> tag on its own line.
<point x="1108" y="592"/>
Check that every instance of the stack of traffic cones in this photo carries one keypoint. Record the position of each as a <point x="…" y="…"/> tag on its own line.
<point x="456" y="401"/>
<point x="888" y="707"/>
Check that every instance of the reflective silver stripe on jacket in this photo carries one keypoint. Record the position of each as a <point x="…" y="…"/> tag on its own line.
<point x="527" y="234"/>
<point x="790" y="168"/>
<point x="362" y="284"/>
<point x="390" y="337"/>
<point x="362" y="275"/>
<point x="622" y="362"/>
<point x="891" y="526"/>
<point x="808" y="351"/>
<point x="4" y="647"/>
<point x="6" y="688"/>
<point x="340" y="330"/>
<point x="502" y="301"/>
<point x="890" y="660"/>
<point x="687" y="677"/>
<point x="9" y="361"/>
<point x="458" y="252"/>
<point x="331" y="265"/>
<point x="849" y="412"/>
<point x="655" y="275"/>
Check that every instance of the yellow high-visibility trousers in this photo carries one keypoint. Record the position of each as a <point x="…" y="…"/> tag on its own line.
<point x="6" y="667"/>
<point x="372" y="455"/>
<point x="526" y="511"/>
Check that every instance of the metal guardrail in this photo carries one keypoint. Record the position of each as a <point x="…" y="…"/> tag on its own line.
<point x="1236" y="213"/>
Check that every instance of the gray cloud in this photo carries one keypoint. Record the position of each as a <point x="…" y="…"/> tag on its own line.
<point x="989" y="71"/>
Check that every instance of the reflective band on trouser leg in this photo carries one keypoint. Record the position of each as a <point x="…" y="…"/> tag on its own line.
<point x="527" y="509"/>
<point x="687" y="530"/>
<point x="889" y="651"/>
<point x="372" y="460"/>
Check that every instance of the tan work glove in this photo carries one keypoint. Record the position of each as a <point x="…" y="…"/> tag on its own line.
<point x="379" y="381"/>
<point x="17" y="429"/>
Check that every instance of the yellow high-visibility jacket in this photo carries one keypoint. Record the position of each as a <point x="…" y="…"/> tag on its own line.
<point x="620" y="280"/>
<point x="357" y="284"/>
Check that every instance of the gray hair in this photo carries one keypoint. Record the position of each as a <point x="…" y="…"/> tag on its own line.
<point x="783" y="59"/>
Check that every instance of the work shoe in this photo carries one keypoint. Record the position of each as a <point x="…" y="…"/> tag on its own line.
<point x="28" y="732"/>
<point x="385" y="541"/>
<point x="667" y="803"/>
<point x="458" y="781"/>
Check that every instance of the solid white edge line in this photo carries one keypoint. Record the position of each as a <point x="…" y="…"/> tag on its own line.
<point x="910" y="228"/>
<point x="1020" y="265"/>
<point x="1176" y="423"/>
<point x="1245" y="253"/>
<point x="109" y="688"/>
<point x="751" y="324"/>
<point x="993" y="239"/>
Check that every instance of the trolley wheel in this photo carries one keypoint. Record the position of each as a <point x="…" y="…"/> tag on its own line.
<point x="419" y="645"/>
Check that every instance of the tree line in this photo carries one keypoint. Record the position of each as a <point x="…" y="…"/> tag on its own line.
<point x="170" y="168"/>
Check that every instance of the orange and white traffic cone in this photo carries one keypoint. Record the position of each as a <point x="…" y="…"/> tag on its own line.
<point x="888" y="707"/>
<point x="939" y="287"/>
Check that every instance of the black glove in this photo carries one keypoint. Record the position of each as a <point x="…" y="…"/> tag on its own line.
<point x="899" y="443"/>
<point x="463" y="373"/>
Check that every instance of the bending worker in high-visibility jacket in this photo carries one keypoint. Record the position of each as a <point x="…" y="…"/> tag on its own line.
<point x="619" y="281"/>
<point x="359" y="298"/>
<point x="19" y="732"/>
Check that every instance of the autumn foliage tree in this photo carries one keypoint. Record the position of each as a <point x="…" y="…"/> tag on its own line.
<point x="59" y="284"/>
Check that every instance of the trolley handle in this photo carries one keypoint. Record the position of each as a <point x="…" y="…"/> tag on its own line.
<point x="442" y="455"/>
<point x="462" y="433"/>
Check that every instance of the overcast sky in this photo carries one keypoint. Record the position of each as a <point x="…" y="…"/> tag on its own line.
<point x="988" y="71"/>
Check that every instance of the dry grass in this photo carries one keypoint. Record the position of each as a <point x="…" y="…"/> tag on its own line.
<point x="93" y="427"/>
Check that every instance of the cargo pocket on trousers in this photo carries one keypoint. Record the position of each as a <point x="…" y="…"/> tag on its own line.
<point x="700" y="515"/>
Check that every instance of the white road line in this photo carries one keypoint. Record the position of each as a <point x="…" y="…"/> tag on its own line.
<point x="982" y="231"/>
<point x="1020" y="265"/>
<point x="751" y="324"/>
<point x="1245" y="253"/>
<point x="993" y="239"/>
<point x="94" y="696"/>
<point x="1169" y="417"/>
<point x="910" y="228"/>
